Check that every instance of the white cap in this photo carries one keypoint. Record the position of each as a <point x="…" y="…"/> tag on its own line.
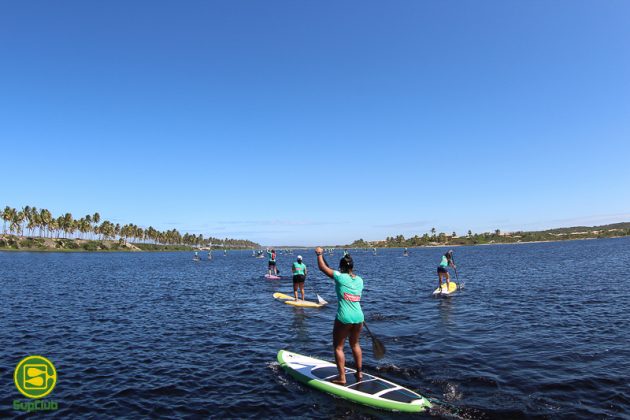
<point x="299" y="257"/>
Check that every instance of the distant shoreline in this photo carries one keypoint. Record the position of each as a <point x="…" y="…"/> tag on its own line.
<point x="485" y="244"/>
<point x="13" y="243"/>
<point x="498" y="238"/>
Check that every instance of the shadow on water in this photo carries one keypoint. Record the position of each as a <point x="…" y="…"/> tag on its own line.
<point x="299" y="324"/>
<point x="445" y="306"/>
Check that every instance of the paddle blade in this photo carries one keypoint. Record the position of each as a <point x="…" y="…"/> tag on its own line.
<point x="321" y="300"/>
<point x="378" y="348"/>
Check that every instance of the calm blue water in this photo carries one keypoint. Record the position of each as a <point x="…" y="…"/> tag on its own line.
<point x="540" y="330"/>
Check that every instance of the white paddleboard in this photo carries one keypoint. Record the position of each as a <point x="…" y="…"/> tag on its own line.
<point x="370" y="390"/>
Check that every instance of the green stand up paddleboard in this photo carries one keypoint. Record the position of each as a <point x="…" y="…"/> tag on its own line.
<point x="370" y="390"/>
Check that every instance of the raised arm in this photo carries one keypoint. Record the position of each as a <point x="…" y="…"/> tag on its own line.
<point x="321" y="263"/>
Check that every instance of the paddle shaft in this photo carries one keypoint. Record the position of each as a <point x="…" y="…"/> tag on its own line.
<point x="455" y="268"/>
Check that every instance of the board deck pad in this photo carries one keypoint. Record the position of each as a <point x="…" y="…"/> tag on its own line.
<point x="370" y="390"/>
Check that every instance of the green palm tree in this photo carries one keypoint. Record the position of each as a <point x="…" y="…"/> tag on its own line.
<point x="45" y="218"/>
<point x="96" y="219"/>
<point x="16" y="223"/>
<point x="60" y="225"/>
<point x="27" y="216"/>
<point x="53" y="226"/>
<point x="68" y="224"/>
<point x="88" y="221"/>
<point x="33" y="220"/>
<point x="7" y="216"/>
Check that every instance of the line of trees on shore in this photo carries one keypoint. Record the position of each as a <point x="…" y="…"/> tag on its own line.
<point x="434" y="238"/>
<point x="29" y="220"/>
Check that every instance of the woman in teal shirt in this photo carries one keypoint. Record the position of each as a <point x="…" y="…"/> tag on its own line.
<point x="442" y="270"/>
<point x="299" y="277"/>
<point x="349" y="319"/>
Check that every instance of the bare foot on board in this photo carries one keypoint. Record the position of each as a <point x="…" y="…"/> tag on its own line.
<point x="339" y="381"/>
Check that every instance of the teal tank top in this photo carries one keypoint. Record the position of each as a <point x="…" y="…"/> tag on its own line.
<point x="299" y="269"/>
<point x="348" y="291"/>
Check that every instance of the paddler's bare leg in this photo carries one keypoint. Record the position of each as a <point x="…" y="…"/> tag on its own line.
<point x="355" y="333"/>
<point x="340" y="332"/>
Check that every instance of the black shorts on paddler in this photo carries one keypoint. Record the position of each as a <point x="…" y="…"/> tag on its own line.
<point x="272" y="264"/>
<point x="442" y="270"/>
<point x="299" y="278"/>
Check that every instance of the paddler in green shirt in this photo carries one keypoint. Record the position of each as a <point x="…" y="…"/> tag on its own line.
<point x="349" y="319"/>
<point x="299" y="277"/>
<point x="271" y="267"/>
<point x="442" y="271"/>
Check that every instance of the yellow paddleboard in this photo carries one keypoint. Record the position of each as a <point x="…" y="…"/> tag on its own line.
<point x="290" y="300"/>
<point x="303" y="303"/>
<point x="282" y="296"/>
<point x="451" y="288"/>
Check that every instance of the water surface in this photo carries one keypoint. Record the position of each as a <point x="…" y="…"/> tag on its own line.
<point x="539" y="330"/>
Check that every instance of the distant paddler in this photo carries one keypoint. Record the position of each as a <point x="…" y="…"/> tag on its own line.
<point x="299" y="276"/>
<point x="405" y="253"/>
<point x="272" y="262"/>
<point x="442" y="270"/>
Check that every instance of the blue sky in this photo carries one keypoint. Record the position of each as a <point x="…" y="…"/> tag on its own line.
<point x="310" y="122"/>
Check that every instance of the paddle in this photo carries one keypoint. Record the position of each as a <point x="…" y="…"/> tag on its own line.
<point x="320" y="300"/>
<point x="461" y="286"/>
<point x="455" y="268"/>
<point x="377" y="346"/>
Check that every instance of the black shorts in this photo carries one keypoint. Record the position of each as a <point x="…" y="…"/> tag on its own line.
<point x="272" y="263"/>
<point x="299" y="278"/>
<point x="442" y="270"/>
